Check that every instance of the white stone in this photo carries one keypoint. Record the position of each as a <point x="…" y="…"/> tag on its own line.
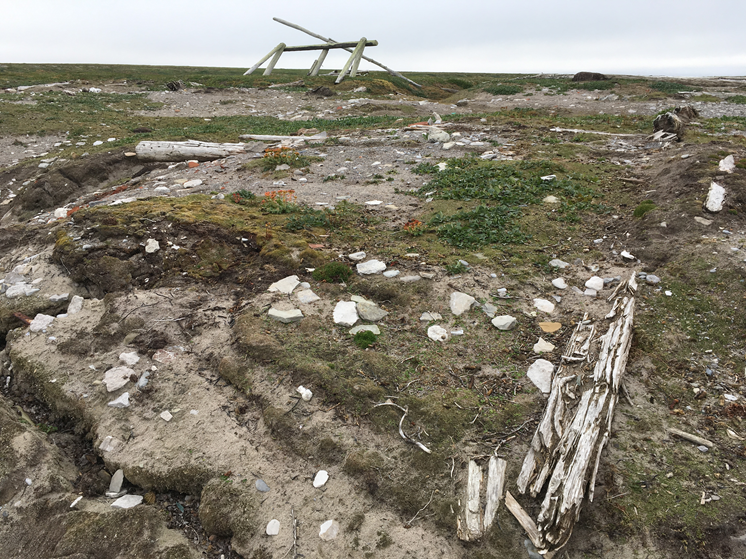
<point x="41" y="322"/>
<point x="108" y="444"/>
<point x="75" y="502"/>
<point x="305" y="393"/>
<point x="16" y="290"/>
<point x="76" y="305"/>
<point x="60" y="213"/>
<point x="702" y="220"/>
<point x="116" y="378"/>
<point x="122" y="402"/>
<point x="127" y="502"/>
<point x="59" y="298"/>
<point x="504" y="322"/>
<point x="152" y="246"/>
<point x="428" y="316"/>
<point x="545" y="306"/>
<point x="357" y="256"/>
<point x="273" y="527"/>
<point x="97" y="143"/>
<point x="166" y="416"/>
<point x="322" y="476"/>
<point x="115" y="485"/>
<point x="715" y="198"/>
<point x="129" y="358"/>
<point x="427" y="275"/>
<point x="540" y="373"/>
<point x="286" y="317"/>
<point x="285" y="285"/>
<point x="391" y="273"/>
<point x="596" y="283"/>
<point x="438" y="135"/>
<point x="543" y="346"/>
<point x="192" y="183"/>
<point x="461" y="302"/>
<point x="410" y="279"/>
<point x="162" y="190"/>
<point x="557" y="263"/>
<point x="449" y="145"/>
<point x="307" y="296"/>
<point x="365" y="328"/>
<point x="559" y="283"/>
<point x="489" y="309"/>
<point x="627" y="255"/>
<point x="370" y="311"/>
<point x="548" y="178"/>
<point x="551" y="200"/>
<point x="728" y="164"/>
<point x="329" y="530"/>
<point x="370" y="267"/>
<point x="345" y="313"/>
<point x="437" y="333"/>
<point x="373" y="203"/>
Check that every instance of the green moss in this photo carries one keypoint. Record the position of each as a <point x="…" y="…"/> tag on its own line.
<point x="333" y="272"/>
<point x="365" y="339"/>
<point x="643" y="208"/>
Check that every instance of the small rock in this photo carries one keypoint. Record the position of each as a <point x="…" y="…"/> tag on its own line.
<point x="715" y="198"/>
<point x="285" y="285"/>
<point x="306" y="296"/>
<point x="305" y="393"/>
<point x="702" y="220"/>
<point x="286" y="317"/>
<point x="162" y="190"/>
<point x="410" y="279"/>
<point x="489" y="309"/>
<point x="436" y="135"/>
<point x="357" y="256"/>
<point x="548" y="178"/>
<point x="322" y="476"/>
<point x="75" y="502"/>
<point x="329" y="530"/>
<point x="727" y="165"/>
<point x="41" y="322"/>
<point x="544" y="306"/>
<point x="427" y="275"/>
<point x="391" y="273"/>
<point x="543" y="346"/>
<point x="129" y="358"/>
<point x="108" y="444"/>
<point x="273" y="527"/>
<point x="540" y="373"/>
<point x="590" y="292"/>
<point x="192" y="183"/>
<point x="76" y="305"/>
<point x="461" y="302"/>
<point x="596" y="283"/>
<point x="627" y="256"/>
<point x="166" y="416"/>
<point x="116" y="378"/>
<point x="370" y="311"/>
<point x="559" y="283"/>
<point x="345" y="313"/>
<point x="437" y="333"/>
<point x="703" y="448"/>
<point x="370" y="267"/>
<point x="115" y="486"/>
<point x="550" y="327"/>
<point x="60" y="213"/>
<point x="504" y="322"/>
<point x="127" y="502"/>
<point x="261" y="486"/>
<point x="152" y="246"/>
<point x="557" y="263"/>
<point x="650" y="278"/>
<point x="430" y="316"/>
<point x="122" y="402"/>
<point x="59" y="298"/>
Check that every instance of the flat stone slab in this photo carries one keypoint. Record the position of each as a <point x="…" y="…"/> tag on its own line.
<point x="557" y="263"/>
<point x="370" y="311"/>
<point x="504" y="322"/>
<point x="366" y="328"/>
<point x="391" y="273"/>
<point x="370" y="267"/>
<point x="540" y="373"/>
<point x="116" y="378"/>
<point x="489" y="309"/>
<point x="286" y="317"/>
<point x="122" y="402"/>
<point x="127" y="502"/>
<point x="715" y="198"/>
<point x="550" y="326"/>
<point x="345" y="313"/>
<point x="357" y="256"/>
<point x="437" y="333"/>
<point x="559" y="283"/>
<point x="543" y="346"/>
<point x="285" y="285"/>
<point x="461" y="302"/>
<point x="115" y="485"/>
<point x="596" y="283"/>
<point x="129" y="358"/>
<point x="545" y="306"/>
<point x="430" y="316"/>
<point x="306" y="296"/>
<point x="410" y="279"/>
<point x="41" y="322"/>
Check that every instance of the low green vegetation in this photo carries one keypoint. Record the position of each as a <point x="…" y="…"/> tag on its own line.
<point x="333" y="272"/>
<point x="643" y="208"/>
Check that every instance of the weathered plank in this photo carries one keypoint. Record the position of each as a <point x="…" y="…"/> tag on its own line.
<point x="184" y="151"/>
<point x="495" y="484"/>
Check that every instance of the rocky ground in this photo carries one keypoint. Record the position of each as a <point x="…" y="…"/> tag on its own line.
<point x="177" y="323"/>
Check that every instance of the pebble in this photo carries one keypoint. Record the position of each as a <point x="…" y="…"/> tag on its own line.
<point x="122" y="402"/>
<point x="559" y="283"/>
<point x="540" y="373"/>
<point x="305" y="393"/>
<point x="727" y="165"/>
<point x="261" y="486"/>
<point x="192" y="183"/>
<point x="152" y="246"/>
<point x="273" y="527"/>
<point x="75" y="502"/>
<point x="489" y="309"/>
<point x="76" y="305"/>
<point x="703" y="448"/>
<point x="557" y="263"/>
<point x="543" y="346"/>
<point x="504" y="322"/>
<point x="650" y="278"/>
<point x="715" y="198"/>
<point x="370" y="267"/>
<point x="391" y="273"/>
<point x="596" y="283"/>
<point x="427" y="275"/>
<point x="129" y="358"/>
<point x="322" y="476"/>
<point x="627" y="256"/>
<point x="590" y="292"/>
<point x="127" y="502"/>
<point x="345" y="313"/>
<point x="41" y="322"/>
<point x="357" y="256"/>
<point x="166" y="416"/>
<point x="162" y="190"/>
<point x="59" y="298"/>
<point x="108" y="444"/>
<point x="429" y="316"/>
<point x="437" y="333"/>
<point x="286" y="317"/>
<point x="285" y="285"/>
<point x="702" y="220"/>
<point x="410" y="279"/>
<point x="329" y="530"/>
<point x="461" y="302"/>
<point x="544" y="306"/>
<point x="117" y="377"/>
<point x="115" y="485"/>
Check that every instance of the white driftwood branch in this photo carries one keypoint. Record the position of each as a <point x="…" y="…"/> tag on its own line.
<point x="495" y="484"/>
<point x="523" y="519"/>
<point x="471" y="528"/>
<point x="184" y="151"/>
<point x="691" y="438"/>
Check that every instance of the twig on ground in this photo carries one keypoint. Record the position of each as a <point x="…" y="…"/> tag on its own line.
<point x="408" y="524"/>
<point x="401" y="431"/>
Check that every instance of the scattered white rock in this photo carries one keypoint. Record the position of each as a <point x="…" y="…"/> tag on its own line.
<point x="366" y="328"/>
<point x="391" y="273"/>
<point x="628" y="256"/>
<point x="162" y="190"/>
<point x="590" y="292"/>
<point x="370" y="267"/>
<point x="727" y="165"/>
<point x="489" y="309"/>
<point x="370" y="311"/>
<point x="75" y="502"/>
<point x="437" y="135"/>
<point x="59" y="298"/>
<point x="41" y="322"/>
<point x="76" y="305"/>
<point x="429" y="316"/>
<point x="442" y="166"/>
<point x="702" y="220"/>
<point x="307" y="296"/>
<point x="273" y="527"/>
<point x="715" y="198"/>
<point x="461" y="302"/>
<point x="108" y="444"/>
<point x="115" y="485"/>
<point x="116" y="378"/>
<point x="548" y="178"/>
<point x="345" y="313"/>
<point x="545" y="306"/>
<point x="129" y="358"/>
<point x="652" y="279"/>
<point x="427" y="275"/>
<point x="595" y="283"/>
<point x="540" y="373"/>
<point x="286" y="317"/>
<point x="122" y="402"/>
<point x="322" y="476"/>
<point x="504" y="322"/>
<point x="152" y="246"/>
<point x="192" y="183"/>
<point x="285" y="285"/>
<point x="373" y="202"/>
<point x="551" y="200"/>
<point x="543" y="346"/>
<point x="329" y="530"/>
<point x="410" y="279"/>
<point x="357" y="256"/>
<point x="559" y="283"/>
<point x="437" y="333"/>
<point x="127" y="502"/>
<point x="166" y="416"/>
<point x="60" y="213"/>
<point x="557" y="263"/>
<point x="305" y="393"/>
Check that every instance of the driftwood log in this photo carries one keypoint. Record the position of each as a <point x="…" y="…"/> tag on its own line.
<point x="185" y="151"/>
<point x="473" y="522"/>
<point x="566" y="448"/>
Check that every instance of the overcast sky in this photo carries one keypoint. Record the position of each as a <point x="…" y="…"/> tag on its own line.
<point x="643" y="37"/>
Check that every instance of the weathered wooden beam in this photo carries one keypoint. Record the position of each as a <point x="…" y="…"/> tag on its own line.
<point x="275" y="58"/>
<point x="328" y="40"/>
<point x="691" y="438"/>
<point x="471" y="528"/>
<point x="184" y="151"/>
<point x="354" y="56"/>
<point x="495" y="484"/>
<point x="523" y="519"/>
<point x="317" y="64"/>
<point x="329" y="46"/>
<point x="263" y="60"/>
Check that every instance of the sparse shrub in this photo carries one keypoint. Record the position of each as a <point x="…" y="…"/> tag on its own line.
<point x="644" y="208"/>
<point x="503" y="89"/>
<point x="333" y="272"/>
<point x="365" y="339"/>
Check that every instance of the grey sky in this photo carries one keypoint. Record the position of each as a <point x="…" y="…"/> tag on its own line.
<point x="645" y="37"/>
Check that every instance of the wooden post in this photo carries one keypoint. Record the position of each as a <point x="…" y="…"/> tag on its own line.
<point x="263" y="60"/>
<point x="355" y="54"/>
<point x="319" y="61"/>
<point x="356" y="61"/>
<point x="275" y="58"/>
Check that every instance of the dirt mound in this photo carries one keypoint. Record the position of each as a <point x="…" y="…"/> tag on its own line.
<point x="589" y="77"/>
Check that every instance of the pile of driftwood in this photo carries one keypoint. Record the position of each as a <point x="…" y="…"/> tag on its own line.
<point x="560" y="467"/>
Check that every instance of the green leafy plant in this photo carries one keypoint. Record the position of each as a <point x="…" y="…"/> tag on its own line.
<point x="333" y="272"/>
<point x="456" y="268"/>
